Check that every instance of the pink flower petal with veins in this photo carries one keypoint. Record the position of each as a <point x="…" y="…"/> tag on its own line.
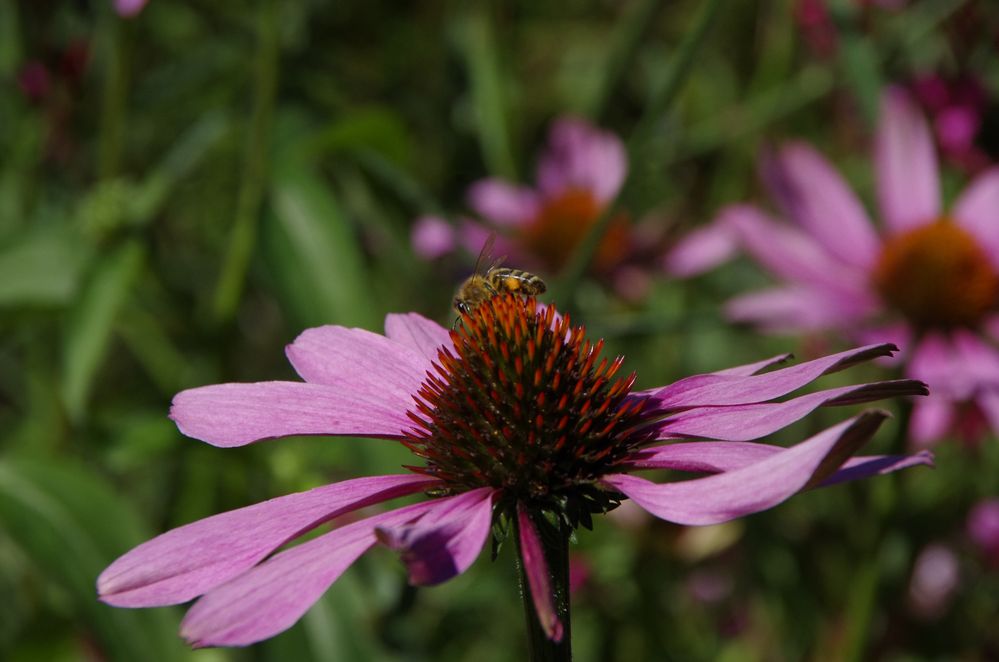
<point x="905" y="160"/>
<point x="537" y="573"/>
<point x="185" y="562"/>
<point x="755" y="487"/>
<point x="419" y="333"/>
<point x="229" y="415"/>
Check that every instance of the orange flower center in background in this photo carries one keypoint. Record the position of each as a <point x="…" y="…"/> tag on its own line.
<point x="563" y="222"/>
<point x="937" y="276"/>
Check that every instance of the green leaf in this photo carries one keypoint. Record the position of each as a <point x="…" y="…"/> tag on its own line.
<point x="42" y="268"/>
<point x="315" y="253"/>
<point x="71" y="526"/>
<point x="89" y="330"/>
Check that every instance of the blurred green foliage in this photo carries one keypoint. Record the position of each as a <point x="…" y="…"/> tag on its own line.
<point x="188" y="189"/>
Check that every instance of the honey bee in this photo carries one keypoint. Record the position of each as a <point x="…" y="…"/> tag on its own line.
<point x="488" y="281"/>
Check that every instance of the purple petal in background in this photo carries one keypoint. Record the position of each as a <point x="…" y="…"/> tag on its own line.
<point x="813" y="194"/>
<point x="714" y="389"/>
<point x="905" y="161"/>
<point x="185" y="562"/>
<point x="755" y="487"/>
<point x="977" y="210"/>
<point x="795" y="309"/>
<point x="581" y="156"/>
<point x="129" y="8"/>
<point x="503" y="203"/>
<point x="432" y="237"/>
<point x="931" y="419"/>
<point x="237" y="414"/>
<point x="701" y="250"/>
<point x="446" y="541"/>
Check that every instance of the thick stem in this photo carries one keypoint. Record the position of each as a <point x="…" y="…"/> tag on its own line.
<point x="555" y="544"/>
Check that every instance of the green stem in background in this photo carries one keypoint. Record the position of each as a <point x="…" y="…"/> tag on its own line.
<point x="663" y="96"/>
<point x="114" y="97"/>
<point x="555" y="542"/>
<point x="626" y="41"/>
<point x="251" y="189"/>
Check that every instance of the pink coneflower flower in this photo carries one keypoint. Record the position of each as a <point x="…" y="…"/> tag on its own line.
<point x="929" y="279"/>
<point x="579" y="173"/>
<point x="983" y="529"/>
<point x="516" y="424"/>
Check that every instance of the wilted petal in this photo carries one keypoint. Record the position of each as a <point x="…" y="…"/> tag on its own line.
<point x="502" y="202"/>
<point x="977" y="211"/>
<point x="908" y="182"/>
<point x="812" y="193"/>
<point x="446" y="541"/>
<point x="419" y="333"/>
<point x="185" y="562"/>
<point x="753" y="421"/>
<point x="581" y="156"/>
<point x="753" y="488"/>
<point x="721" y="389"/>
<point x="537" y="573"/>
<point x="703" y="249"/>
<point x="270" y="597"/>
<point x="358" y="360"/>
<point x="796" y="309"/>
<point x="236" y="414"/>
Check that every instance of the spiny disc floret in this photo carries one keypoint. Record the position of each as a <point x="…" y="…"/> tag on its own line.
<point x="525" y="405"/>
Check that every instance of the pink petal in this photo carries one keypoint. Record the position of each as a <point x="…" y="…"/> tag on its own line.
<point x="930" y="421"/>
<point x="753" y="421"/>
<point x="185" y="562"/>
<point x="702" y="250"/>
<point x="936" y="361"/>
<point x="581" y="156"/>
<point x="755" y="368"/>
<point x="446" y="541"/>
<point x="755" y="487"/>
<point x="268" y="598"/>
<point x="798" y="309"/>
<point x="905" y="160"/>
<point x="977" y="211"/>
<point x="236" y="414"/>
<point x="812" y="193"/>
<point x="129" y="8"/>
<point x="988" y="402"/>
<point x="791" y="254"/>
<point x="537" y="573"/>
<point x="503" y="203"/>
<point x="418" y="333"/>
<point x="359" y="361"/>
<point x="432" y="237"/>
<point x="979" y="361"/>
<point x="717" y="457"/>
<point x="714" y="389"/>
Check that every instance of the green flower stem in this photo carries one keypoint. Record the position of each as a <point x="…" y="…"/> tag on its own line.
<point x="114" y="97"/>
<point x="555" y="541"/>
<point x="251" y="191"/>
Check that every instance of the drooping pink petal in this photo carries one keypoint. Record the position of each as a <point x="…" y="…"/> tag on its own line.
<point x="581" y="156"/>
<point x="977" y="211"/>
<point x="813" y="194"/>
<point x="188" y="561"/>
<point x="754" y="368"/>
<point x="794" y="309"/>
<point x="446" y="541"/>
<point x="432" y="237"/>
<point x="229" y="415"/>
<point x="503" y="203"/>
<point x="701" y="250"/>
<point x="754" y="421"/>
<point x="418" y="333"/>
<point x="714" y="389"/>
<point x="905" y="161"/>
<point x="930" y="421"/>
<point x="537" y="574"/>
<point x="717" y="457"/>
<point x="360" y="361"/>
<point x="270" y="597"/>
<point x="790" y="254"/>
<point x="755" y="487"/>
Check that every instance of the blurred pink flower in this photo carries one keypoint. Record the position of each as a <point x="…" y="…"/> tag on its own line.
<point x="983" y="528"/>
<point x="929" y="279"/>
<point x="579" y="173"/>
<point x="935" y="578"/>
<point x="955" y="107"/>
<point x="515" y="418"/>
<point x="129" y="8"/>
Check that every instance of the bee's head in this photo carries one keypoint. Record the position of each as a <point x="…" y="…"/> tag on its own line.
<point x="461" y="306"/>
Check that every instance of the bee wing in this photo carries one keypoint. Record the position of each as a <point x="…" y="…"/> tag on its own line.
<point x="486" y="256"/>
